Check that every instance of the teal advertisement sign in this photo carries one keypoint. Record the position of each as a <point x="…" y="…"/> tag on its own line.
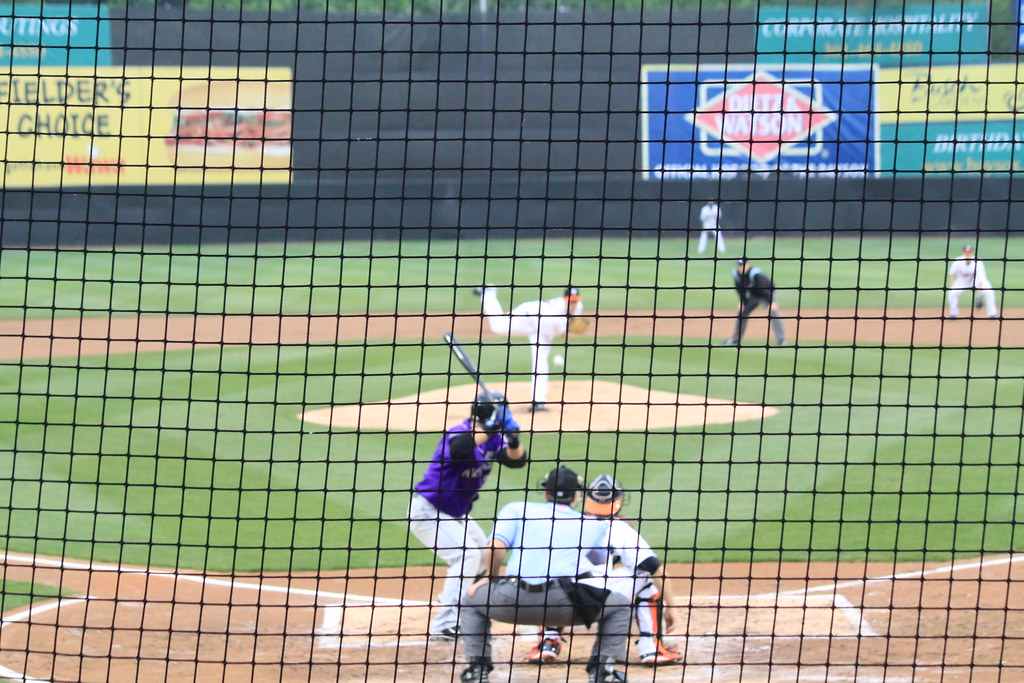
<point x="954" y="147"/>
<point x="54" y="34"/>
<point x="951" y="119"/>
<point x="922" y="33"/>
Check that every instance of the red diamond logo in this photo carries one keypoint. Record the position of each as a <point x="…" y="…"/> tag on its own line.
<point x="762" y="117"/>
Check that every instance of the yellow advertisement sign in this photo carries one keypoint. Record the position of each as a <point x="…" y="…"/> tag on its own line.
<point x="145" y="126"/>
<point x="946" y="93"/>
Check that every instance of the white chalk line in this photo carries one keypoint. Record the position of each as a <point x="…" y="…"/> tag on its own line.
<point x="917" y="573"/>
<point x="28" y="613"/>
<point x="853" y="613"/>
<point x="62" y="563"/>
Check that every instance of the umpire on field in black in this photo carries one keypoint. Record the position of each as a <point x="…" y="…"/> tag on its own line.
<point x="754" y="288"/>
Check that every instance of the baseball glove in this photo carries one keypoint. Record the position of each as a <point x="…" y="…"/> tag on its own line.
<point x="578" y="325"/>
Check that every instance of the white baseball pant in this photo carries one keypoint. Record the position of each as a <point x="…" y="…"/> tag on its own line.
<point x="646" y="606"/>
<point x="522" y="325"/>
<point x="702" y="243"/>
<point x="460" y="542"/>
<point x="986" y="294"/>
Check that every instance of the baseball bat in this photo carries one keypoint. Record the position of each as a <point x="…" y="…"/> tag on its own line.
<point x="467" y="363"/>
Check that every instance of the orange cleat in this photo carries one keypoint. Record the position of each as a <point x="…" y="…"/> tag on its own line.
<point x="665" y="654"/>
<point x="545" y="652"/>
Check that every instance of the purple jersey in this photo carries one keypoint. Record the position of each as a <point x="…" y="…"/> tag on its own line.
<point x="451" y="484"/>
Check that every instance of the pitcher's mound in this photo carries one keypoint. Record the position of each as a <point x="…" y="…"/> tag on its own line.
<point x="575" y="406"/>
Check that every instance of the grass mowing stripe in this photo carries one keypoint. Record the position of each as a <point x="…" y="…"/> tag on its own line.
<point x="196" y="458"/>
<point x="383" y="277"/>
<point x="15" y="594"/>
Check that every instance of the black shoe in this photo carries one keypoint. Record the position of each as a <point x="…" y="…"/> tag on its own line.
<point x="478" y="672"/>
<point x="450" y="633"/>
<point x="537" y="407"/>
<point x="952" y="317"/>
<point x="606" y="674"/>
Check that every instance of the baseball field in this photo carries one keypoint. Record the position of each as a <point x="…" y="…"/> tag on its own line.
<point x="208" y="452"/>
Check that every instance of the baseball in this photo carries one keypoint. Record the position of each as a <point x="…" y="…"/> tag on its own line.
<point x="558" y="360"/>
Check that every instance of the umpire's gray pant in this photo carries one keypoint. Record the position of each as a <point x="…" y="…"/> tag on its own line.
<point x="505" y="601"/>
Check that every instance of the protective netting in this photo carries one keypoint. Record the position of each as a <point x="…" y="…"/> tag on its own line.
<point x="406" y="341"/>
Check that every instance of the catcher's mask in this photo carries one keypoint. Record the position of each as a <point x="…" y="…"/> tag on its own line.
<point x="604" y="497"/>
<point x="562" y="484"/>
<point x="486" y="403"/>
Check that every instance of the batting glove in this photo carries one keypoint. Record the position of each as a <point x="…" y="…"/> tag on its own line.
<point x="510" y="424"/>
<point x="496" y="422"/>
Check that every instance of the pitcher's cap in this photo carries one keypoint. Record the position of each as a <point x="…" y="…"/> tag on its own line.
<point x="968" y="247"/>
<point x="572" y="294"/>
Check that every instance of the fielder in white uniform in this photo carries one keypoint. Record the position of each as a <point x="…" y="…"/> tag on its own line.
<point x="542" y="322"/>
<point x="967" y="272"/>
<point x="710" y="215"/>
<point x="631" y="568"/>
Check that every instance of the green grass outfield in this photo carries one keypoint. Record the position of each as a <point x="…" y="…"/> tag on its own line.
<point x="196" y="458"/>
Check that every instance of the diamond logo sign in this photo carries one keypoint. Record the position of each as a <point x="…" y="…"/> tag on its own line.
<point x="723" y="120"/>
<point x="761" y="117"/>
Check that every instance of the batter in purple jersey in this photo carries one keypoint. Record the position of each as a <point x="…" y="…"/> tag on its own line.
<point x="439" y="511"/>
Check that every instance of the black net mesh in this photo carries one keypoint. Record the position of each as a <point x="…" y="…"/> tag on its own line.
<point x="376" y="341"/>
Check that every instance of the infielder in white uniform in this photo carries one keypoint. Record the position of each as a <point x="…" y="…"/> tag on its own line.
<point x="631" y="568"/>
<point x="542" y="322"/>
<point x="710" y="215"/>
<point x="967" y="272"/>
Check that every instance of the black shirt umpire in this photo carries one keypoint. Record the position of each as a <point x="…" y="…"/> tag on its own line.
<point x="754" y="288"/>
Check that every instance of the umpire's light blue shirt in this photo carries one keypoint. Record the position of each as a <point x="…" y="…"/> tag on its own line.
<point x="548" y="540"/>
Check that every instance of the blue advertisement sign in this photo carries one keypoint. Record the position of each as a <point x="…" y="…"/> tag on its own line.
<point x="715" y="120"/>
<point x="53" y="34"/>
<point x="1020" y="26"/>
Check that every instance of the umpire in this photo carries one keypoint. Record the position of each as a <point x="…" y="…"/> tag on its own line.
<point x="546" y="580"/>
<point x="754" y="288"/>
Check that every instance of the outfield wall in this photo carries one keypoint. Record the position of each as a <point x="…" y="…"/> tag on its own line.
<point x="460" y="125"/>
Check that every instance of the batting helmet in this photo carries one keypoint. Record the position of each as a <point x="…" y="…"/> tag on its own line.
<point x="604" y="497"/>
<point x="486" y="403"/>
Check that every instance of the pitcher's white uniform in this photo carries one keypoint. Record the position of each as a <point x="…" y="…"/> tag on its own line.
<point x="710" y="215"/>
<point x="539" y="321"/>
<point x="967" y="272"/>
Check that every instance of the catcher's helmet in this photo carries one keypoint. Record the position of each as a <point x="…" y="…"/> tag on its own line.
<point x="486" y="403"/>
<point x="604" y="497"/>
